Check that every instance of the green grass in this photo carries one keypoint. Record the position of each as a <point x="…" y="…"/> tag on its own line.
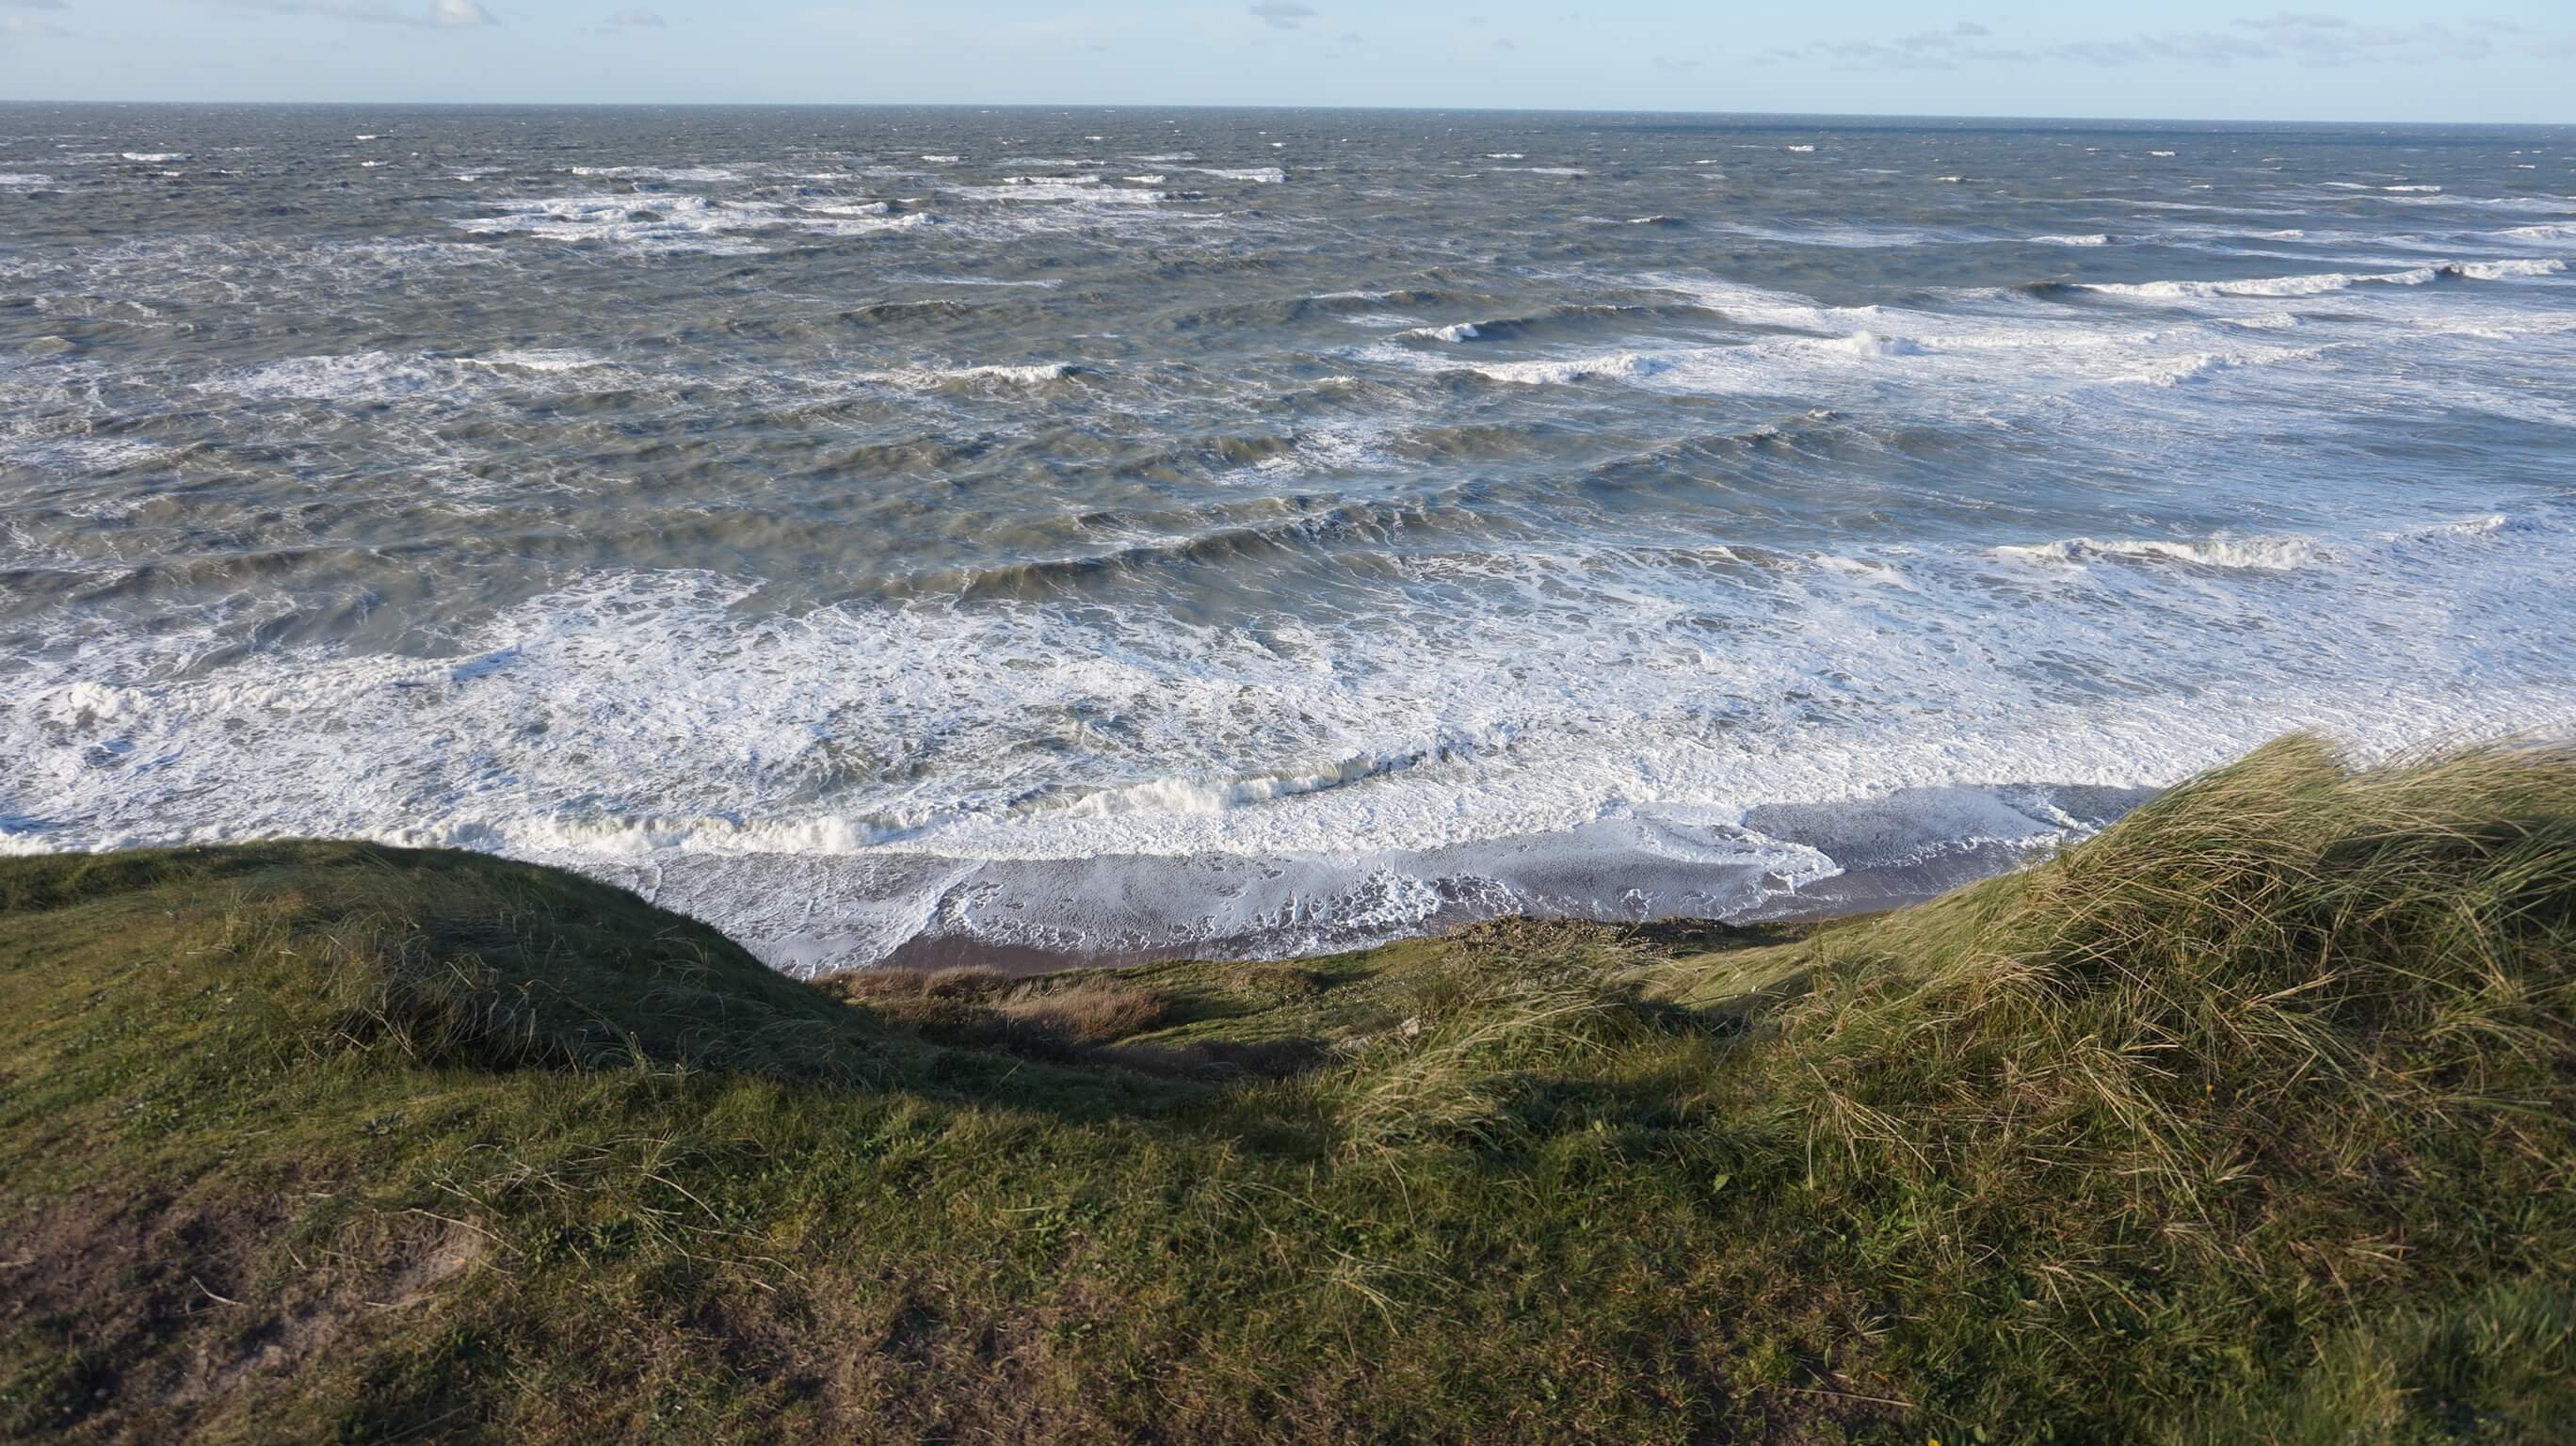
<point x="2249" y="1120"/>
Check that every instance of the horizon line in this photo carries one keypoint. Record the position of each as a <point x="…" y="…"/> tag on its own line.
<point x="1278" y="106"/>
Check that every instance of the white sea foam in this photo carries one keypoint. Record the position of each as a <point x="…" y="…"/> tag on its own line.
<point x="546" y="359"/>
<point x="2010" y="359"/>
<point x="155" y="157"/>
<point x="2264" y="554"/>
<point x="668" y="223"/>
<point x="1871" y="344"/>
<point x="2180" y="371"/>
<point x="1036" y="284"/>
<point x="1760" y="306"/>
<point x="1819" y="233"/>
<point x="695" y="175"/>
<point x="868" y="224"/>
<point x="1367" y="763"/>
<point x="1574" y="369"/>
<point x="385" y="377"/>
<point x="1085" y="189"/>
<point x="2464" y="527"/>
<point x="2094" y="238"/>
<point x="2506" y="270"/>
<point x="1456" y="331"/>
<point x="923" y="378"/>
<point x="2561" y="204"/>
<point x="1263" y="175"/>
<point x="79" y="454"/>
<point x="638" y="222"/>
<point x="373" y="376"/>
<point x="2316" y="284"/>
<point x="1802" y="150"/>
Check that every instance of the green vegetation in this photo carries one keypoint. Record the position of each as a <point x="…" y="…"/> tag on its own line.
<point x="2252" y="1119"/>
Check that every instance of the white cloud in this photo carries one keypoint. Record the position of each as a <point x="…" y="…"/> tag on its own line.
<point x="635" y="20"/>
<point x="29" y="25"/>
<point x="2332" y="40"/>
<point x="442" y="14"/>
<point x="2304" y="37"/>
<point x="1280" y="14"/>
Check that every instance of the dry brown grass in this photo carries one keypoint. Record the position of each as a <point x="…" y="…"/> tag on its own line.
<point x="1045" y="1017"/>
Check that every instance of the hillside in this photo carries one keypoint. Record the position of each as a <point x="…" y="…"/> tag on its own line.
<point x="2253" y="1118"/>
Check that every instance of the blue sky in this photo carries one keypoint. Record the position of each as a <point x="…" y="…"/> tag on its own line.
<point x="2511" y="60"/>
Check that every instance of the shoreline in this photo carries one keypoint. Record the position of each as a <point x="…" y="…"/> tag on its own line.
<point x="807" y="916"/>
<point x="1851" y="894"/>
<point x="1782" y="864"/>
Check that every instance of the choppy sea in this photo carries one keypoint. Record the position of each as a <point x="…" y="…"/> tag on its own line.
<point x="1031" y="533"/>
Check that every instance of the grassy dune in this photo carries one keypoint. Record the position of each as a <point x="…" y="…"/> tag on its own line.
<point x="2252" y="1119"/>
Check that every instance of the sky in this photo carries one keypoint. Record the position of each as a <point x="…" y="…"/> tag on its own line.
<point x="2496" y="61"/>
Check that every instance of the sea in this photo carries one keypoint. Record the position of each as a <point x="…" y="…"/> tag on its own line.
<point x="1039" y="535"/>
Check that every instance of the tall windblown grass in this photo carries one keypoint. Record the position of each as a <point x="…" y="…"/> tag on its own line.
<point x="2283" y="1049"/>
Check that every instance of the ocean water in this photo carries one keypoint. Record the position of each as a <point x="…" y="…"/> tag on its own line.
<point x="923" y="533"/>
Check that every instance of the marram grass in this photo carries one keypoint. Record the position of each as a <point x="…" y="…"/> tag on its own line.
<point x="2249" y="1120"/>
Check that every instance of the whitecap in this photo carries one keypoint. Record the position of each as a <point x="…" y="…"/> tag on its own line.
<point x="1458" y="331"/>
<point x="686" y="174"/>
<point x="928" y="378"/>
<point x="2504" y="270"/>
<point x="2259" y="554"/>
<point x="1574" y="369"/>
<point x="1871" y="344"/>
<point x="544" y="359"/>
<point x="2315" y="284"/>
